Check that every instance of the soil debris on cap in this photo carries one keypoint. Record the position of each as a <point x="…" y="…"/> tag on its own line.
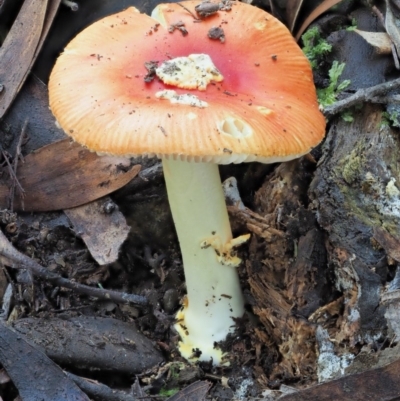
<point x="216" y="33"/>
<point x="180" y="26"/>
<point x="151" y="70"/>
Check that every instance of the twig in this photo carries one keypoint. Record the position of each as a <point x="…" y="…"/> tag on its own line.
<point x="362" y="95"/>
<point x="385" y="99"/>
<point x="186" y="9"/>
<point x="379" y="14"/>
<point x="11" y="172"/>
<point x="99" y="391"/>
<point x="20" y="261"/>
<point x="18" y="153"/>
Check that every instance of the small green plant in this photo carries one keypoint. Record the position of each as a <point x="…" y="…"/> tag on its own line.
<point x="314" y="46"/>
<point x="353" y="25"/>
<point x="390" y="119"/>
<point x="167" y="393"/>
<point x="327" y="96"/>
<point x="347" y="116"/>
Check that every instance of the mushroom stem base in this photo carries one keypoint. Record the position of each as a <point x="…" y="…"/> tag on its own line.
<point x="214" y="296"/>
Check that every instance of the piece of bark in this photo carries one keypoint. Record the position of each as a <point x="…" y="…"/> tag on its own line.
<point x="92" y="343"/>
<point x="304" y="280"/>
<point x="64" y="175"/>
<point x="389" y="243"/>
<point x="377" y="384"/>
<point x="36" y="377"/>
<point x="18" y="50"/>
<point x="102" y="227"/>
<point x="351" y="192"/>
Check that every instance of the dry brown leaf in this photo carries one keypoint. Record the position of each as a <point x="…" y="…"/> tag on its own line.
<point x="292" y="12"/>
<point x="18" y="50"/>
<point x="196" y="391"/>
<point x="379" y="40"/>
<point x="392" y="27"/>
<point x="22" y="46"/>
<point x="323" y="7"/>
<point x="52" y="8"/>
<point x="64" y="175"/>
<point x="102" y="227"/>
<point x="376" y="384"/>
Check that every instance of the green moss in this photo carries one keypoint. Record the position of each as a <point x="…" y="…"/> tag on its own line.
<point x="353" y="25"/>
<point x="390" y="119"/>
<point x="351" y="166"/>
<point x="347" y="116"/>
<point x="327" y="96"/>
<point x="314" y="46"/>
<point x="365" y="194"/>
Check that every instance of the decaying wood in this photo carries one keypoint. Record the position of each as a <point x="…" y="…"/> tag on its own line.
<point x="287" y="271"/>
<point x="355" y="192"/>
<point x="64" y="175"/>
<point x="390" y="243"/>
<point x="320" y="294"/>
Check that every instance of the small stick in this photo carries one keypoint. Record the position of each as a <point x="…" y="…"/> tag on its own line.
<point x="379" y="14"/>
<point x="99" y="390"/>
<point x="11" y="171"/>
<point x="186" y="9"/>
<point x="18" y="153"/>
<point x="362" y="95"/>
<point x="18" y="260"/>
<point x="385" y="99"/>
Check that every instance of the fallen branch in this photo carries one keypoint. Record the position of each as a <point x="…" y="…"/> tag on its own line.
<point x="362" y="95"/>
<point x="18" y="260"/>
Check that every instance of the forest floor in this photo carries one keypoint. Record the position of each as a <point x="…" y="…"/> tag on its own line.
<point x="320" y="273"/>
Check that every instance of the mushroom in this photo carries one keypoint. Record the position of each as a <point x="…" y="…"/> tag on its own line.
<point x="133" y="85"/>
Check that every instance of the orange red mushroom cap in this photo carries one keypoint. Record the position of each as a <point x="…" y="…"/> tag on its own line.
<point x="264" y="109"/>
